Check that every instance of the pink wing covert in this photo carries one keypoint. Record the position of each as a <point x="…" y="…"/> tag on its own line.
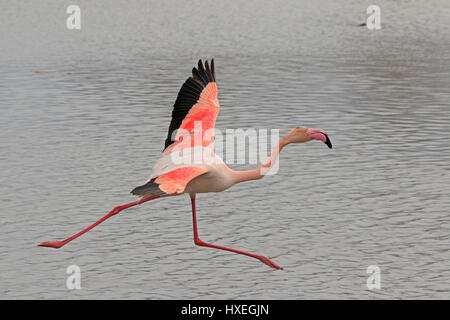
<point x="201" y="119"/>
<point x="175" y="181"/>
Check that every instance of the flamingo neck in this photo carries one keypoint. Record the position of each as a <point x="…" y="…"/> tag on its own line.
<point x="260" y="172"/>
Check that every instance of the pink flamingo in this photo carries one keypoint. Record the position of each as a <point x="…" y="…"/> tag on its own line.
<point x="196" y="104"/>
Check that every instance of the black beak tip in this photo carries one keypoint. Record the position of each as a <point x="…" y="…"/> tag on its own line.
<point x="328" y="143"/>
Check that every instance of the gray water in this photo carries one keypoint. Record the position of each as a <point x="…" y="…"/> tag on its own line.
<point x="76" y="140"/>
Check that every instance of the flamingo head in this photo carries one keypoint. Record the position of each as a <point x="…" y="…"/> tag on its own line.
<point x="304" y="134"/>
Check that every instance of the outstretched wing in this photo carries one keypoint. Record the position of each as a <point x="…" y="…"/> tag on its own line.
<point x="196" y="104"/>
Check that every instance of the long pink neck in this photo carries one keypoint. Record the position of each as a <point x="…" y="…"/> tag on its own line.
<point x="258" y="173"/>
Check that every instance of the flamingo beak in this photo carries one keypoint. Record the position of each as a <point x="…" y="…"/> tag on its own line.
<point x="319" y="134"/>
<point x="328" y="141"/>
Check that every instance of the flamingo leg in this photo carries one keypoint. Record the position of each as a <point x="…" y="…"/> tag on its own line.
<point x="116" y="210"/>
<point x="201" y="243"/>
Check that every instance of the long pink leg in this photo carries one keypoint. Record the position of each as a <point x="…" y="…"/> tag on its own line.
<point x="116" y="210"/>
<point x="201" y="243"/>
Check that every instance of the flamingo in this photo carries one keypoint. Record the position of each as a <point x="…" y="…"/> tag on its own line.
<point x="197" y="106"/>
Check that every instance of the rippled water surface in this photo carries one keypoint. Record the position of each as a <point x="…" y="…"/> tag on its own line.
<point x="75" y="140"/>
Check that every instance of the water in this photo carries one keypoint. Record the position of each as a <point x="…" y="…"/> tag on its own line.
<point x="75" y="141"/>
